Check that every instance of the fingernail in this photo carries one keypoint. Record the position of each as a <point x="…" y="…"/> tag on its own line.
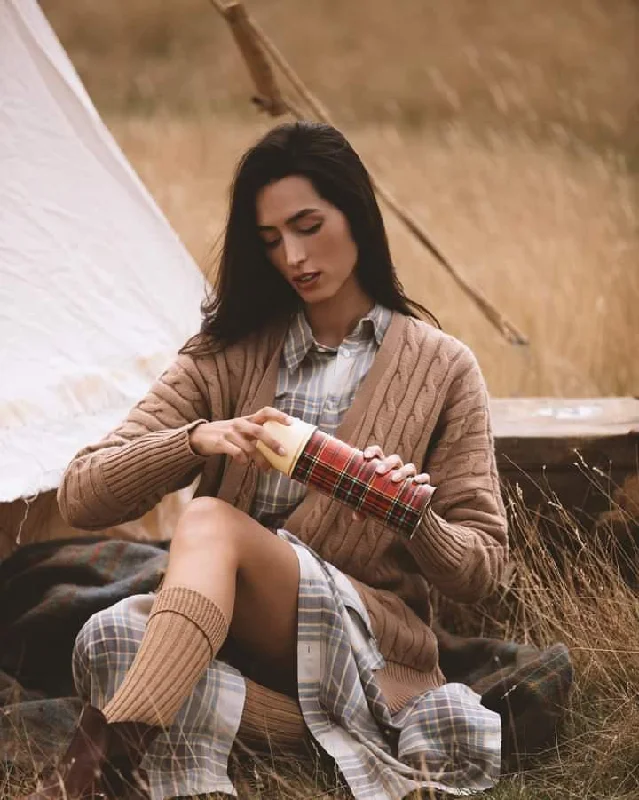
<point x="281" y="451"/>
<point x="396" y="478"/>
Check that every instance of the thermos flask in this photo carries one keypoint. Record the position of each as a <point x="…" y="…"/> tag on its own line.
<point x="338" y="470"/>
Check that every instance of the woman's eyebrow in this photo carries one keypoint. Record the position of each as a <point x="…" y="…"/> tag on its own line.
<point x="304" y="212"/>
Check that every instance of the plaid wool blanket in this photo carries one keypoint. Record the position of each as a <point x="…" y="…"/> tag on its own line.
<point x="49" y="590"/>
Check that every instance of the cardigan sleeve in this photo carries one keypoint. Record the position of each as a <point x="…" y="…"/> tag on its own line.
<point x="461" y="545"/>
<point x="147" y="456"/>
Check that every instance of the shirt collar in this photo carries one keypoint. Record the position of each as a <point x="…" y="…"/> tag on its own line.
<point x="299" y="338"/>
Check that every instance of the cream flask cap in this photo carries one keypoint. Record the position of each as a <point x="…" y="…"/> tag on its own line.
<point x="293" y="439"/>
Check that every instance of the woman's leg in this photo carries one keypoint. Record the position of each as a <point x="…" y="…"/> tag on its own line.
<point x="224" y="570"/>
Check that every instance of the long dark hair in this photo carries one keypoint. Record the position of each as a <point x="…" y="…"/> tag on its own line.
<point x="249" y="294"/>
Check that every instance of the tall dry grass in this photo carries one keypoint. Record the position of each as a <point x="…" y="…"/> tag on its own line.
<point x="540" y="65"/>
<point x="509" y="130"/>
<point x="548" y="234"/>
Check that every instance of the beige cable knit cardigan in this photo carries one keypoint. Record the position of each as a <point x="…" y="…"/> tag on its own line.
<point x="424" y="398"/>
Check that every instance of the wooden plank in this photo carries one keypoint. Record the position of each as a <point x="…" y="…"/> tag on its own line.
<point x="571" y="451"/>
<point x="530" y="417"/>
<point x="551" y="432"/>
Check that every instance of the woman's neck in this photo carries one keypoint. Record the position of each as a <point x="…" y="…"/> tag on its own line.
<point x="333" y="319"/>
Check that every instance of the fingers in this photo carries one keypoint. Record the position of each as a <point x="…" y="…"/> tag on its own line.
<point x="373" y="451"/>
<point x="246" y="431"/>
<point x="269" y="413"/>
<point x="402" y="473"/>
<point x="254" y="431"/>
<point x="235" y="452"/>
<point x="395" y="465"/>
<point x="388" y="463"/>
<point x="409" y="471"/>
<point x="244" y="450"/>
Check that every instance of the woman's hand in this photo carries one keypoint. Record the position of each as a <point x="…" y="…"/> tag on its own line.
<point x="392" y="464"/>
<point x="238" y="437"/>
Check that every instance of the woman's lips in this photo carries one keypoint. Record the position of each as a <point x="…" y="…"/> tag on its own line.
<point x="306" y="281"/>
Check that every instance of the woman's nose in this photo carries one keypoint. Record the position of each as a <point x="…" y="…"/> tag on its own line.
<point x="294" y="251"/>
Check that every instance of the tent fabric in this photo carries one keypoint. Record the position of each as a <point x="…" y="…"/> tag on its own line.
<point x="96" y="291"/>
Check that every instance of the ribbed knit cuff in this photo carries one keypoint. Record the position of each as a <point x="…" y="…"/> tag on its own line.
<point x="149" y="463"/>
<point x="195" y="607"/>
<point x="400" y="683"/>
<point x="438" y="543"/>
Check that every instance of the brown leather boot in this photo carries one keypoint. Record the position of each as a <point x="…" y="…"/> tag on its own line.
<point x="102" y="761"/>
<point x="122" y="777"/>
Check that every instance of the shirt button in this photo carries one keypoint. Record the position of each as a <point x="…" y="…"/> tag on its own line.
<point x="346" y="353"/>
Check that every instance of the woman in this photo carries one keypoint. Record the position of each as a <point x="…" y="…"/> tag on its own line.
<point x="328" y="608"/>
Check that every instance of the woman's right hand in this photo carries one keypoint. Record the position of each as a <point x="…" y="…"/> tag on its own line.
<point x="238" y="437"/>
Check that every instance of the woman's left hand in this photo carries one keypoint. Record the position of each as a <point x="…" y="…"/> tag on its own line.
<point x="392" y="464"/>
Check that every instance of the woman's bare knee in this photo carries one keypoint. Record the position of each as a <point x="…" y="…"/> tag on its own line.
<point x="205" y="552"/>
<point x="206" y="522"/>
<point x="202" y="510"/>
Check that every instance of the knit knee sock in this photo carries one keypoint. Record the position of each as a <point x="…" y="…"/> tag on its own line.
<point x="184" y="632"/>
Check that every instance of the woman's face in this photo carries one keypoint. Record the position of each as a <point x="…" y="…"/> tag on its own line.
<point x="307" y="239"/>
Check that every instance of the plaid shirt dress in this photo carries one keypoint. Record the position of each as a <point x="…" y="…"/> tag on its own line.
<point x="443" y="740"/>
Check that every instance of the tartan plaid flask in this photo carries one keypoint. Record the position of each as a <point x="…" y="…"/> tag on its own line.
<point x="338" y="470"/>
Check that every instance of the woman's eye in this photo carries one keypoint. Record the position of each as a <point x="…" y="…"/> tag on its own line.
<point x="312" y="229"/>
<point x="270" y="244"/>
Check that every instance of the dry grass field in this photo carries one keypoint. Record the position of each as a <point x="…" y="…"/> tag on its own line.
<point x="510" y="131"/>
<point x="549" y="235"/>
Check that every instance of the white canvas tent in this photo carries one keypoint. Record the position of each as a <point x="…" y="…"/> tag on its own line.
<point x="96" y="291"/>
